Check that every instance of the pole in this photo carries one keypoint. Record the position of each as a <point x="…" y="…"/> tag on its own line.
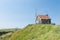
<point x="35" y="15"/>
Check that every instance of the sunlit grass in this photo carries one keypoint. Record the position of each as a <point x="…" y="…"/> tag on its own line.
<point x="37" y="32"/>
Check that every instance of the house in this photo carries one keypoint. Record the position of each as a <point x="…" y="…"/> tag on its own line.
<point x="43" y="19"/>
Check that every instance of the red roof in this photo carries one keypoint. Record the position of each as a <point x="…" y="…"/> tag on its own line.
<point x="43" y="17"/>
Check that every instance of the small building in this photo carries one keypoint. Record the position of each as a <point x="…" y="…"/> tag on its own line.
<point x="43" y="19"/>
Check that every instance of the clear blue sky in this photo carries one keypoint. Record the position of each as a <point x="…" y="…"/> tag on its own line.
<point x="19" y="13"/>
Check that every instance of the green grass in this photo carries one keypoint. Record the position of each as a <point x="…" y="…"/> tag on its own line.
<point x="5" y="34"/>
<point x="37" y="32"/>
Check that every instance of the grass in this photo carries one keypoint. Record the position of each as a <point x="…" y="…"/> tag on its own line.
<point x="5" y="34"/>
<point x="37" y="32"/>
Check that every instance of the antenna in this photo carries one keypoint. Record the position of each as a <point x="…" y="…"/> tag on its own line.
<point x="46" y="13"/>
<point x="35" y="15"/>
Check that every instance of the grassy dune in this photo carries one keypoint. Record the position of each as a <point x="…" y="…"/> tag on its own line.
<point x="37" y="32"/>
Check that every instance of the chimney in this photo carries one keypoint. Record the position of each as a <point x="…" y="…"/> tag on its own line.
<point x="46" y="14"/>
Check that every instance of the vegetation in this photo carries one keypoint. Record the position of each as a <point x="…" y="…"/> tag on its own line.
<point x="37" y="32"/>
<point x="5" y="34"/>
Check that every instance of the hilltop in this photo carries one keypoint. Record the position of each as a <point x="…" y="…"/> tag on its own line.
<point x="37" y="32"/>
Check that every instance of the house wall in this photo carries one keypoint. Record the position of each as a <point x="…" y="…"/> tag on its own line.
<point x="46" y="21"/>
<point x="38" y="20"/>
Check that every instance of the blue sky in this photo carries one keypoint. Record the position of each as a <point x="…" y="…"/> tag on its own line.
<point x="19" y="13"/>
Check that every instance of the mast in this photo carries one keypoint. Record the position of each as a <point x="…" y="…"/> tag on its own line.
<point x="35" y="15"/>
<point x="47" y="13"/>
